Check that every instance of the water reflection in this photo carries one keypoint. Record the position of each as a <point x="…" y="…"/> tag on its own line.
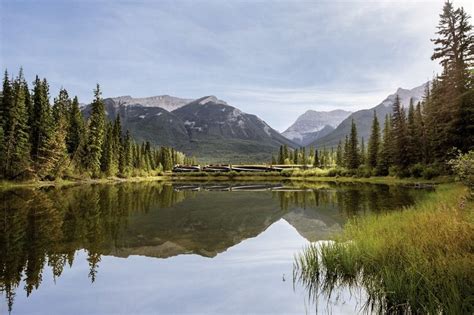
<point x="45" y="228"/>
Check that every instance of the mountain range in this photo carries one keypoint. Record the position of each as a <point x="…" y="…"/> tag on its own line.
<point x="363" y="118"/>
<point x="216" y="132"/>
<point x="313" y="125"/>
<point x="207" y="128"/>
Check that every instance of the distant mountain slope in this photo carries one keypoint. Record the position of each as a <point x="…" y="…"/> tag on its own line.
<point x="313" y="125"/>
<point x="167" y="102"/>
<point x="363" y="118"/>
<point x="207" y="128"/>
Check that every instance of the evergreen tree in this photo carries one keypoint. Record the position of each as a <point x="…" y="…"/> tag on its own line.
<point x="16" y="139"/>
<point x="286" y="153"/>
<point x="75" y="127"/>
<point x="400" y="135"/>
<point x="41" y="120"/>
<point x="339" y="155"/>
<point x="353" y="158"/>
<point x="6" y="103"/>
<point x="346" y="153"/>
<point x="414" y="143"/>
<point x="311" y="155"/>
<point x="281" y="156"/>
<point x="374" y="143"/>
<point x="303" y="156"/>
<point x="362" y="152"/>
<point x="126" y="156"/>
<point x="316" y="162"/>
<point x="384" y="159"/>
<point x="420" y="134"/>
<point x="96" y="134"/>
<point x="450" y="110"/>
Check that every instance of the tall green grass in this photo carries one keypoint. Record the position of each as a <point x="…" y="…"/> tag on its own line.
<point x="417" y="260"/>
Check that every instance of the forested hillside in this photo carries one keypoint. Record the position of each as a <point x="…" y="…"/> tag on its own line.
<point x="43" y="141"/>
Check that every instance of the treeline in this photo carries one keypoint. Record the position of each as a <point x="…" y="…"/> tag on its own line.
<point x="44" y="141"/>
<point x="44" y="228"/>
<point x="417" y="142"/>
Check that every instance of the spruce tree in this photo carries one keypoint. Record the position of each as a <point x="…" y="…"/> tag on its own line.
<point x="16" y="143"/>
<point x="374" y="143"/>
<point x="96" y="134"/>
<point x="450" y="110"/>
<point x="400" y="136"/>
<point x="41" y="126"/>
<point x="362" y="153"/>
<point x="281" y="156"/>
<point x="414" y="143"/>
<point x="75" y="127"/>
<point x="384" y="159"/>
<point x="126" y="155"/>
<point x="353" y="158"/>
<point x="339" y="155"/>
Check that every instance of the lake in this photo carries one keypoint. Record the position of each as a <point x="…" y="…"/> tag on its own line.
<point x="151" y="247"/>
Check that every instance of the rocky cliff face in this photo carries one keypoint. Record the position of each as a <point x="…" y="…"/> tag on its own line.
<point x="313" y="125"/>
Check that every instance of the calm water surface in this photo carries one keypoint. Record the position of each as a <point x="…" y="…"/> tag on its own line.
<point x="147" y="248"/>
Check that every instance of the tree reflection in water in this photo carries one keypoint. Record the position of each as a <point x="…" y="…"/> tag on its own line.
<point x="44" y="227"/>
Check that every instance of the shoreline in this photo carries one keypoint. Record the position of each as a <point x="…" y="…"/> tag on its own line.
<point x="387" y="180"/>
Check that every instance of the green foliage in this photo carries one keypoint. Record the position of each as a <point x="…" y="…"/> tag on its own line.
<point x="351" y="152"/>
<point x="430" y="172"/>
<point x="96" y="134"/>
<point x="416" y="170"/>
<point x="463" y="167"/>
<point x="75" y="127"/>
<point x="403" y="266"/>
<point x="16" y="132"/>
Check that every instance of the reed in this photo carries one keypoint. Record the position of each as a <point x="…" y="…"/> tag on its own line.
<point x="417" y="260"/>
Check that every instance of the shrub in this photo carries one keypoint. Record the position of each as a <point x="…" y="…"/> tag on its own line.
<point x="417" y="170"/>
<point x="463" y="167"/>
<point x="363" y="171"/>
<point x="430" y="172"/>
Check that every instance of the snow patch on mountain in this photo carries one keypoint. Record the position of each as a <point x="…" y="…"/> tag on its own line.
<point x="212" y="99"/>
<point x="166" y="102"/>
<point x="308" y="126"/>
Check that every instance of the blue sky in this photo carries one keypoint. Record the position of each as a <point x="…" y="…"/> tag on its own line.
<point x="275" y="59"/>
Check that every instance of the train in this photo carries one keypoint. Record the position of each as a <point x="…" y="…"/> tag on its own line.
<point x="222" y="168"/>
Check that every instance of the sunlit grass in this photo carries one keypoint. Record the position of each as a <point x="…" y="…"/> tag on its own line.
<point x="420" y="259"/>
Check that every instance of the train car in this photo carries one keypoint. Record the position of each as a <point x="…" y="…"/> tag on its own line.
<point x="186" y="168"/>
<point x="251" y="168"/>
<point x="281" y="167"/>
<point x="216" y="168"/>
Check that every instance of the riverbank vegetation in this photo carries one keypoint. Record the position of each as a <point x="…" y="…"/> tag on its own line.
<point x="418" y="260"/>
<point x="47" y="142"/>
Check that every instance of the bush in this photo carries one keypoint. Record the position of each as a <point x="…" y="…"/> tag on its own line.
<point x="363" y="171"/>
<point x="430" y="172"/>
<point x="333" y="172"/>
<point x="463" y="167"/>
<point x="417" y="170"/>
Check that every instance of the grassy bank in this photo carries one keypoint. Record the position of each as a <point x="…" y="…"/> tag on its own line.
<point x="66" y="182"/>
<point x="205" y="177"/>
<point x="418" y="260"/>
<point x="301" y="177"/>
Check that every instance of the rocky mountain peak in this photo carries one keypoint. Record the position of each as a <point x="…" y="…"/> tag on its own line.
<point x="166" y="102"/>
<point x="211" y="99"/>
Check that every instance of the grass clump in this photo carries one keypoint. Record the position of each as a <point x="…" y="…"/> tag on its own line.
<point x="419" y="260"/>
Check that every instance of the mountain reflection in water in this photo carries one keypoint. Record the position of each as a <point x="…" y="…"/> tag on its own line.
<point x="44" y="230"/>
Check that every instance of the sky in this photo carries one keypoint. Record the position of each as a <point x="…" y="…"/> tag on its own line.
<point x="275" y="59"/>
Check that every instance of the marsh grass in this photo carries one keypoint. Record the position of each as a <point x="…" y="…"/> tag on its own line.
<point x="417" y="260"/>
